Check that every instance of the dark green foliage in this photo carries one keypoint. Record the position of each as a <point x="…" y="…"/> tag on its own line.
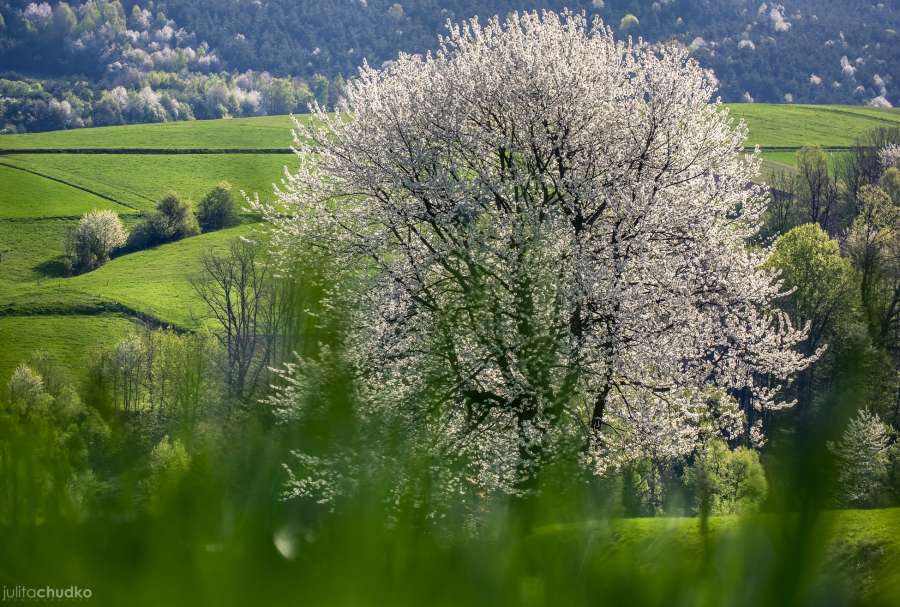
<point x="150" y="232"/>
<point x="180" y="219"/>
<point x="217" y="209"/>
<point x="65" y="70"/>
<point x="173" y="219"/>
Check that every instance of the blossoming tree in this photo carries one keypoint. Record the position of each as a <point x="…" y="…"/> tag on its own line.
<point x="555" y="227"/>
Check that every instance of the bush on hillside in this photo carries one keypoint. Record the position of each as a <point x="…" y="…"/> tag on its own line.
<point x="179" y="216"/>
<point x="173" y="219"/>
<point x="217" y="209"/>
<point x="91" y="243"/>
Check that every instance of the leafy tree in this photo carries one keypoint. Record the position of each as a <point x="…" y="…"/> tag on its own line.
<point x="543" y="266"/>
<point x="217" y="209"/>
<point x="150" y="232"/>
<point x="25" y="385"/>
<point x="173" y="219"/>
<point x="873" y="244"/>
<point x="822" y="288"/>
<point x="727" y="481"/>
<point x="45" y="445"/>
<point x="280" y="97"/>
<point x="180" y="219"/>
<point x="890" y="183"/>
<point x="319" y="87"/>
<point x="169" y="464"/>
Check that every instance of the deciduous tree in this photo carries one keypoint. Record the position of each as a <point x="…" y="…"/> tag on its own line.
<point x="555" y="224"/>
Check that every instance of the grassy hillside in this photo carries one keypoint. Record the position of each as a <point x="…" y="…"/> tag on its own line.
<point x="155" y="281"/>
<point x="770" y="126"/>
<point x="67" y="339"/>
<point x="799" y="125"/>
<point x="43" y="194"/>
<point x="24" y="194"/>
<point x="140" y="180"/>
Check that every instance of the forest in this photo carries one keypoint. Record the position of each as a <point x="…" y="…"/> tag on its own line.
<point x="103" y="62"/>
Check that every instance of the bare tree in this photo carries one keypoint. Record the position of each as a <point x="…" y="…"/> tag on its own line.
<point x="818" y="192"/>
<point x="238" y="291"/>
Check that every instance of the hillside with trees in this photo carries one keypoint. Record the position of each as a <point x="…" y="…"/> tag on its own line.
<point x="103" y="62"/>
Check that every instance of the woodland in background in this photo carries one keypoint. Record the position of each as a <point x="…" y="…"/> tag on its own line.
<point x="103" y="62"/>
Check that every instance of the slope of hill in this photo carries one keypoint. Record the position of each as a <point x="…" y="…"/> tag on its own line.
<point x="44" y="194"/>
<point x="108" y="62"/>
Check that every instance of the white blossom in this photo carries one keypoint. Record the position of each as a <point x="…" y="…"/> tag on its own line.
<point x="556" y="223"/>
<point x="890" y="156"/>
<point x="847" y="68"/>
<point x="779" y="23"/>
<point x="862" y="459"/>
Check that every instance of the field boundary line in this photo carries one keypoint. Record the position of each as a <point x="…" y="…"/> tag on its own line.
<point x="286" y="151"/>
<point x="58" y="218"/>
<point x="146" y="151"/>
<point x="72" y="185"/>
<point x="94" y="308"/>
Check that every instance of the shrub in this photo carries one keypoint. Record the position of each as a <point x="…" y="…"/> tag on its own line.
<point x="179" y="216"/>
<point x="91" y="243"/>
<point x="152" y="231"/>
<point x="25" y="386"/>
<point x="217" y="209"/>
<point x="727" y="481"/>
<point x="173" y="219"/>
<point x="169" y="464"/>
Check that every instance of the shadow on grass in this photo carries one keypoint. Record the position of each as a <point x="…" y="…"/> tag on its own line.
<point x="53" y="268"/>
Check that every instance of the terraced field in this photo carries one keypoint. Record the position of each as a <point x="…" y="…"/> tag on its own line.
<point x="47" y="180"/>
<point x="43" y="195"/>
<point x="140" y="180"/>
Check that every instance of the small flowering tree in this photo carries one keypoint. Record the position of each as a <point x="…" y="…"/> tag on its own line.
<point x="97" y="235"/>
<point x="554" y="224"/>
<point x="862" y="458"/>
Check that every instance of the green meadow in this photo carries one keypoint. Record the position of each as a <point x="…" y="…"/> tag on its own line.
<point x="67" y="339"/>
<point x="140" y="180"/>
<point x="25" y="195"/>
<point x="770" y="126"/>
<point x="266" y="132"/>
<point x="793" y="126"/>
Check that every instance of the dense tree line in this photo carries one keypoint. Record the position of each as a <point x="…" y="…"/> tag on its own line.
<point x="94" y="64"/>
<point x="101" y="62"/>
<point x="765" y="49"/>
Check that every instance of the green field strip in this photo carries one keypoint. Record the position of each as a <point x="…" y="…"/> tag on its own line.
<point x="71" y="185"/>
<point x="68" y="340"/>
<point x="790" y="127"/>
<point x="79" y="303"/>
<point x="772" y="126"/>
<point x="27" y="194"/>
<point x="142" y="180"/>
<point x="264" y="132"/>
<point x="144" y="151"/>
